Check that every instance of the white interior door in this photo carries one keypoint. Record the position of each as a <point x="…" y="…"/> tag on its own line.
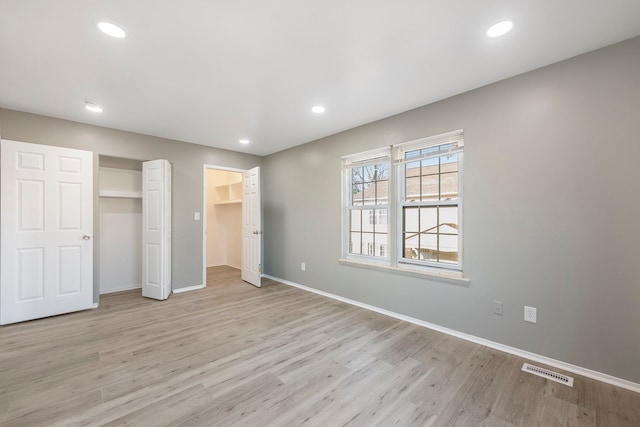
<point x="251" y="227"/>
<point x="47" y="229"/>
<point x="156" y="229"/>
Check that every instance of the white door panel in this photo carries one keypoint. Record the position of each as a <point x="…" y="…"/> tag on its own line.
<point x="47" y="226"/>
<point x="251" y="227"/>
<point x="156" y="229"/>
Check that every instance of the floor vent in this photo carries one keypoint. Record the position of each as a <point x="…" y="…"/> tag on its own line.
<point x="550" y="375"/>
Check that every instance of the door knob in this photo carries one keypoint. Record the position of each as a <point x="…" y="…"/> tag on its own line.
<point x="85" y="237"/>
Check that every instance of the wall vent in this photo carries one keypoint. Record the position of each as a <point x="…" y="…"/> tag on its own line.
<point x="550" y="375"/>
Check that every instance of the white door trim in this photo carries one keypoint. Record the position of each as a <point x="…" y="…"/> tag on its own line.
<point x="203" y="217"/>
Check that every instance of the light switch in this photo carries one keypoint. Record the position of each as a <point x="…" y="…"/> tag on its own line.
<point x="196" y="216"/>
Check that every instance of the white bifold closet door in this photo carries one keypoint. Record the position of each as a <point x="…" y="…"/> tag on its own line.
<point x="156" y="229"/>
<point x="47" y="230"/>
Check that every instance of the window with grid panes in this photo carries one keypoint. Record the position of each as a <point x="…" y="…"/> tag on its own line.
<point x="367" y="187"/>
<point x="430" y="208"/>
<point x="421" y="182"/>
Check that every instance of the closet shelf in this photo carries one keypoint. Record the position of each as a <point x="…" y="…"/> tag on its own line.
<point x="123" y="183"/>
<point x="227" y="194"/>
<point x="228" y="202"/>
<point x="121" y="194"/>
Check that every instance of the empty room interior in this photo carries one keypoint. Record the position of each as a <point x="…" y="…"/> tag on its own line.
<point x="269" y="213"/>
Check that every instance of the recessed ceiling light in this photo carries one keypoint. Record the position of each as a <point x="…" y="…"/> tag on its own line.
<point x="318" y="109"/>
<point x="93" y="107"/>
<point x="499" y="29"/>
<point x="244" y="141"/>
<point x="112" y="30"/>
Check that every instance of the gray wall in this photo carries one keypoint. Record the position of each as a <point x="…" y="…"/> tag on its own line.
<point x="187" y="163"/>
<point x="551" y="212"/>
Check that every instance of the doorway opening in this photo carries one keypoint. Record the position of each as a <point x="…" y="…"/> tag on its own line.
<point x="223" y="223"/>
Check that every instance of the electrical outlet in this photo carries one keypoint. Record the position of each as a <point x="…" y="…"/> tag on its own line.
<point x="497" y="308"/>
<point x="303" y="266"/>
<point x="196" y="216"/>
<point x="530" y="314"/>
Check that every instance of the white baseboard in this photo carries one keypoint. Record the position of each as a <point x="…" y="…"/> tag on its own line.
<point x="188" y="288"/>
<point x="599" y="376"/>
<point x="127" y="288"/>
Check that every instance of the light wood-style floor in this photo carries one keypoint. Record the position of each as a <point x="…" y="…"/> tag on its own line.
<point x="232" y="354"/>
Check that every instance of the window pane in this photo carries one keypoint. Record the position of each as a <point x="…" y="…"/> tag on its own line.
<point x="355" y="243"/>
<point x="369" y="184"/>
<point x="382" y="171"/>
<point x="448" y="230"/>
<point x="381" y="243"/>
<point x="428" y="246"/>
<point x="411" y="244"/>
<point x="383" y="221"/>
<point x="429" y="241"/>
<point x="430" y="187"/>
<point x="449" y="186"/>
<point x="431" y="233"/>
<point x="356" y="175"/>
<point x="368" y="219"/>
<point x="369" y="193"/>
<point x="430" y="150"/>
<point x="382" y="192"/>
<point x="449" y="219"/>
<point x="412" y="169"/>
<point x="430" y="167"/>
<point x="412" y="154"/>
<point x="412" y="189"/>
<point x="356" y="220"/>
<point x="369" y="173"/>
<point x="357" y="194"/>
<point x="369" y="249"/>
<point x="429" y="220"/>
<point x="367" y="243"/>
<point x="448" y="248"/>
<point x="449" y="163"/>
<point x="439" y="179"/>
<point x="411" y="223"/>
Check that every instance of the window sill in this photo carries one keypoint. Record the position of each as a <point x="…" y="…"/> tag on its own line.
<point x="454" y="277"/>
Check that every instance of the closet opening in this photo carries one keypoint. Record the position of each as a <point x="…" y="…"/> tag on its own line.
<point x="223" y="225"/>
<point x="120" y="224"/>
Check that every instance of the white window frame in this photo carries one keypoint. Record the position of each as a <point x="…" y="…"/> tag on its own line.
<point x="457" y="139"/>
<point x="381" y="155"/>
<point x="393" y="256"/>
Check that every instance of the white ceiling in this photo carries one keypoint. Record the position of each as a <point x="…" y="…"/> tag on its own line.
<point x="213" y="71"/>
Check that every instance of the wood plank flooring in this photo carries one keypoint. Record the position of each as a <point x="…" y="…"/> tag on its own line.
<point x="232" y="354"/>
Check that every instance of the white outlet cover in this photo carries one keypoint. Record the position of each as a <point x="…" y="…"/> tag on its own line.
<point x="530" y="314"/>
<point x="196" y="216"/>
